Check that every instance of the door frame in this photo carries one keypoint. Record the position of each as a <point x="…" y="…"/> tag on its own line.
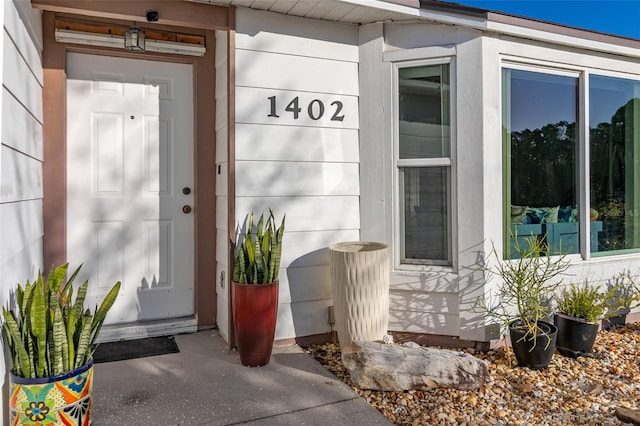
<point x="54" y="136"/>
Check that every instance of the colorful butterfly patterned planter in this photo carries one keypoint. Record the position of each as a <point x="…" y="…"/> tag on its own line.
<point x="63" y="400"/>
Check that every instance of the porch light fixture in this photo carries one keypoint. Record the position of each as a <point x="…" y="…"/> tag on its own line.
<point x="134" y="39"/>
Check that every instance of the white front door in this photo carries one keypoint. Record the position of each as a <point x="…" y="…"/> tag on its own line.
<point x="130" y="184"/>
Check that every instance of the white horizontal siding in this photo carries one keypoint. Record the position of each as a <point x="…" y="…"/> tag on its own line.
<point x="438" y="303"/>
<point x="272" y="32"/>
<point x="304" y="249"/>
<point x="24" y="27"/>
<point x="313" y="213"/>
<point x="21" y="222"/>
<point x="222" y="178"/>
<point x="222" y="301"/>
<point x="221" y="245"/>
<point x="21" y="226"/>
<point x="222" y="213"/>
<point x="431" y="281"/>
<point x="266" y="69"/>
<point x="421" y="312"/>
<point x="222" y="135"/>
<point x="424" y="322"/>
<point x="21" y="266"/>
<point x="21" y="177"/>
<point x="311" y="248"/>
<point x="305" y="284"/>
<point x="291" y="179"/>
<point x="222" y="278"/>
<point x="20" y="80"/>
<point x="253" y="106"/>
<point x="25" y="132"/>
<point x="303" y="319"/>
<point x="221" y="111"/>
<point x="297" y="149"/>
<point x="284" y="143"/>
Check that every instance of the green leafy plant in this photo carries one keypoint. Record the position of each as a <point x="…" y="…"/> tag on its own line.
<point x="587" y="302"/>
<point x="47" y="332"/>
<point x="258" y="255"/>
<point x="525" y="288"/>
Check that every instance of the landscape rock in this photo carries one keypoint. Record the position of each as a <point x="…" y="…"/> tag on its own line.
<point x="587" y="390"/>
<point x="391" y="367"/>
<point x="628" y="415"/>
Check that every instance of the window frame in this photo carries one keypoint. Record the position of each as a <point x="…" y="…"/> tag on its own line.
<point x="604" y="255"/>
<point x="583" y="75"/>
<point x="582" y="195"/>
<point x="399" y="164"/>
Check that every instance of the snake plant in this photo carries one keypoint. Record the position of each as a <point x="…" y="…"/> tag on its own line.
<point x="47" y="332"/>
<point x="258" y="257"/>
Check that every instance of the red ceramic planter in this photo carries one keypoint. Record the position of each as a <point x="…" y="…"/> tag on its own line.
<point x="255" y="310"/>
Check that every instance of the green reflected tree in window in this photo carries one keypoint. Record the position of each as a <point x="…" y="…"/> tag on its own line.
<point x="614" y="133"/>
<point x="540" y="144"/>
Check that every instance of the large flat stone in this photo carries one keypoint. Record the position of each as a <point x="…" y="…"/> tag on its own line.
<point x="390" y="367"/>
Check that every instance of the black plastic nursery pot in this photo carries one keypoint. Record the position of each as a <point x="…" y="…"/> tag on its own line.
<point x="535" y="353"/>
<point x="615" y="321"/>
<point x="576" y="336"/>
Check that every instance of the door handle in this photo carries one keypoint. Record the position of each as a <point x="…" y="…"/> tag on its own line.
<point x="186" y="209"/>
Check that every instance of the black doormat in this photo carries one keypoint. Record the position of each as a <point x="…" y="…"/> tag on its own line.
<point x="138" y="348"/>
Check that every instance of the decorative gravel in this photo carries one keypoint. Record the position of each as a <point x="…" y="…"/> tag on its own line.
<point x="582" y="391"/>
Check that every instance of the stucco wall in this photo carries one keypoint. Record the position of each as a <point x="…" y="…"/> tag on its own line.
<point x="303" y="164"/>
<point x="21" y="226"/>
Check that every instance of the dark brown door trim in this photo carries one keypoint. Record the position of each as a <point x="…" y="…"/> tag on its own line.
<point x="54" y="165"/>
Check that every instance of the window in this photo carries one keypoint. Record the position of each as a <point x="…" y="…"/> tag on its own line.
<point x="542" y="144"/>
<point x="539" y="127"/>
<point x="614" y="133"/>
<point x="424" y="164"/>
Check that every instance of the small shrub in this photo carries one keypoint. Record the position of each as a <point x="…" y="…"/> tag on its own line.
<point x="586" y="301"/>
<point x="525" y="286"/>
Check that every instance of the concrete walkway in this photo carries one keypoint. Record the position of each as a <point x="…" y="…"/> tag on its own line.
<point x="205" y="384"/>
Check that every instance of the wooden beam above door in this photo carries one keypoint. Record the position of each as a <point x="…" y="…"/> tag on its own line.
<point x="170" y="12"/>
<point x="119" y="30"/>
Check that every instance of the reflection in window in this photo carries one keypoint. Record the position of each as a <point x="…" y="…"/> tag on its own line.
<point x="614" y="123"/>
<point x="424" y="146"/>
<point x="539" y="127"/>
<point x="426" y="208"/>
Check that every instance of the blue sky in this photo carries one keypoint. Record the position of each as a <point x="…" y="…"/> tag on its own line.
<point x="618" y="17"/>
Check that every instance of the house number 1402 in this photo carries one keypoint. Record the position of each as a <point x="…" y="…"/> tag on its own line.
<point x="315" y="109"/>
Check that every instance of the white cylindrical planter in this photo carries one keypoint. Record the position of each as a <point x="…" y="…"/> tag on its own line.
<point x="360" y="285"/>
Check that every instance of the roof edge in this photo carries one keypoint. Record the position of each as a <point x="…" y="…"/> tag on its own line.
<point x="534" y="29"/>
<point x="562" y="29"/>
